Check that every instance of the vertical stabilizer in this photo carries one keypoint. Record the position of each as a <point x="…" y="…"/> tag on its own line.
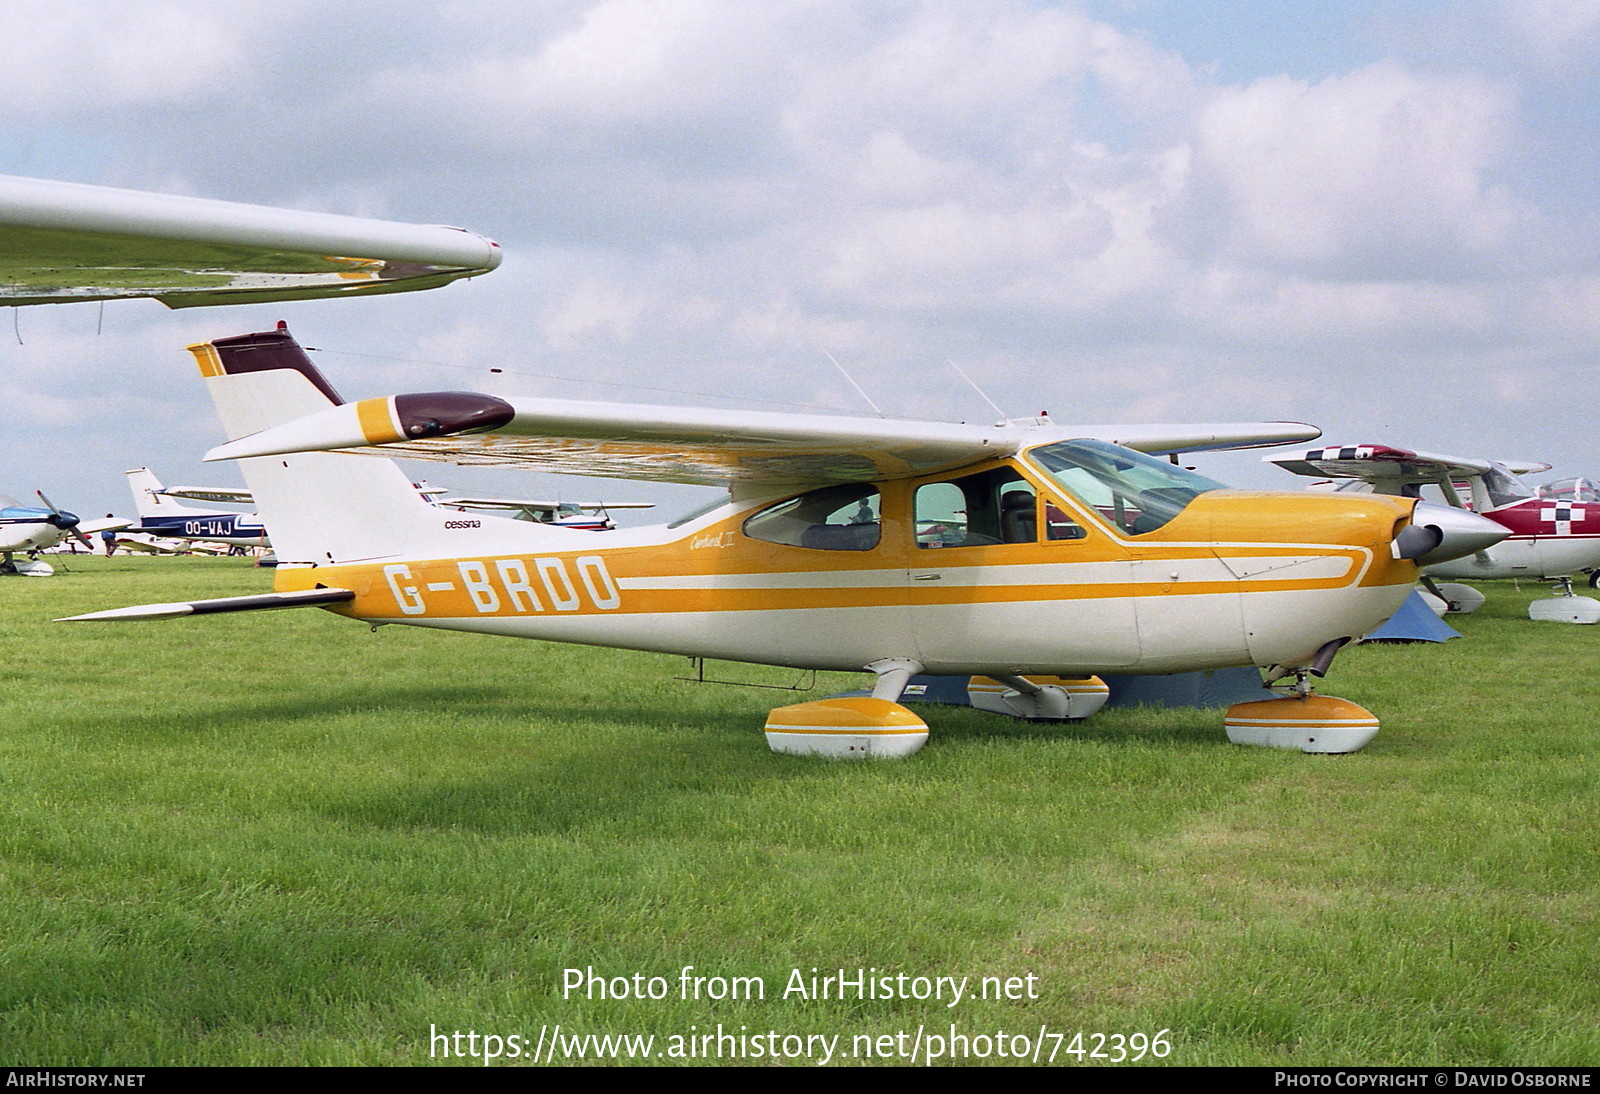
<point x="150" y="503"/>
<point x="322" y="507"/>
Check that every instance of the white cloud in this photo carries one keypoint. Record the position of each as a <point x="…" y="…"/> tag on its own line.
<point x="93" y="55"/>
<point x="704" y="195"/>
<point x="1377" y="167"/>
<point x="1557" y="31"/>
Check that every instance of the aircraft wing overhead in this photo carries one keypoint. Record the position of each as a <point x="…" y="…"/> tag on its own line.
<point x="62" y="242"/>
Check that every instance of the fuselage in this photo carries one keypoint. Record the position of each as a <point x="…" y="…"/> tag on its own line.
<point x="241" y="529"/>
<point x="915" y="568"/>
<point x="1549" y="538"/>
<point x="29" y="528"/>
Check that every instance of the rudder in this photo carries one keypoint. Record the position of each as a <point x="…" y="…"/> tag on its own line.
<point x="320" y="508"/>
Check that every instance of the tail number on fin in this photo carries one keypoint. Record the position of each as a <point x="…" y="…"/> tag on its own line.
<point x="512" y="585"/>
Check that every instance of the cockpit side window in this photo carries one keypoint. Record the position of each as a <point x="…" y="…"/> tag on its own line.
<point x="834" y="518"/>
<point x="992" y="507"/>
<point x="1134" y="492"/>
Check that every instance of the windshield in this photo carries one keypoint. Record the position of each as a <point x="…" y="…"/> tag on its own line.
<point x="1504" y="487"/>
<point x="1135" y="492"/>
<point x="1571" y="490"/>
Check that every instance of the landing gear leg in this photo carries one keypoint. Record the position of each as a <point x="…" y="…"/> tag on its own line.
<point x="894" y="673"/>
<point x="1039" y="698"/>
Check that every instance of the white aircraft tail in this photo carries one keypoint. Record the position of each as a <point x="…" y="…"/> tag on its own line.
<point x="149" y="501"/>
<point x="321" y="507"/>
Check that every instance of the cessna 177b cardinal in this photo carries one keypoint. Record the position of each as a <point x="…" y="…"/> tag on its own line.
<point x="1549" y="538"/>
<point x="1027" y="552"/>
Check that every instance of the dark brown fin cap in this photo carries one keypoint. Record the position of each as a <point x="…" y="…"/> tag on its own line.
<point x="446" y="413"/>
<point x="269" y="350"/>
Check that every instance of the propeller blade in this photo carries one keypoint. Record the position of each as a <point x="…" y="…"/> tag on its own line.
<point x="67" y="522"/>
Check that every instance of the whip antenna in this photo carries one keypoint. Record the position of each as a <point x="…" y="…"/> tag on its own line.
<point x="981" y="394"/>
<point x="853" y="384"/>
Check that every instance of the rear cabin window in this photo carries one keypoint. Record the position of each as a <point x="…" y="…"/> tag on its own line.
<point x="835" y="518"/>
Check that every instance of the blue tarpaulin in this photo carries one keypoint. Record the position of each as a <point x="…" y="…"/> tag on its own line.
<point x="1414" y="622"/>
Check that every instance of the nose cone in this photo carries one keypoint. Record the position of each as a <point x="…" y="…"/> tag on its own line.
<point x="1439" y="533"/>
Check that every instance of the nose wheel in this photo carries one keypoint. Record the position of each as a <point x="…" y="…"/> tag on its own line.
<point x="1300" y="718"/>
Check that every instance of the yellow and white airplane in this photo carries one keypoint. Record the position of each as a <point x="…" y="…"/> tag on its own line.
<point x="1027" y="552"/>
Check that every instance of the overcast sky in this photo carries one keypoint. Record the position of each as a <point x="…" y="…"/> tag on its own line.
<point x="1376" y="217"/>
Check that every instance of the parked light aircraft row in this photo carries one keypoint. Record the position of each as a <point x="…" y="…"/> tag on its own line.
<point x="1030" y="552"/>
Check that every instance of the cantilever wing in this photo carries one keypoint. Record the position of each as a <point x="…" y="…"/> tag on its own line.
<point x="541" y="505"/>
<point x="62" y="242"/>
<point x="697" y="446"/>
<point x="221" y="495"/>
<point x="1390" y="469"/>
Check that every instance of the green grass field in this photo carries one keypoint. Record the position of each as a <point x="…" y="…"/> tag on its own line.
<point x="281" y="839"/>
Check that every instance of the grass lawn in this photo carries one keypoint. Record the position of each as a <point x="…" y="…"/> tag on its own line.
<point x="281" y="839"/>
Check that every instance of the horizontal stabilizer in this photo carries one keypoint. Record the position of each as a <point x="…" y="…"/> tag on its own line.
<point x="261" y="602"/>
<point x="541" y="506"/>
<point x="104" y="524"/>
<point x="217" y="495"/>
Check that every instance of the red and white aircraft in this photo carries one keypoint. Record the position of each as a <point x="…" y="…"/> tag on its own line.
<point x="1551" y="536"/>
